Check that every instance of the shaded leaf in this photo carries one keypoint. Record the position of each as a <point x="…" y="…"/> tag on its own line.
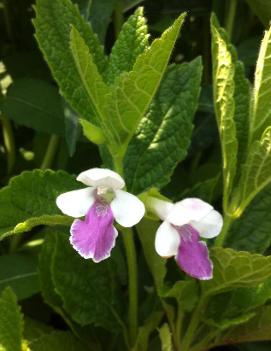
<point x="19" y="271"/>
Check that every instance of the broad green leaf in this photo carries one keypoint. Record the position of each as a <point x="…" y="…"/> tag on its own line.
<point x="58" y="341"/>
<point x="256" y="173"/>
<point x="11" y="322"/>
<point x="88" y="290"/>
<point x="223" y="86"/>
<point x="236" y="269"/>
<point x="134" y="91"/>
<point x="29" y="200"/>
<point x="166" y="338"/>
<point x="131" y="42"/>
<point x="257" y="329"/>
<point x="90" y="78"/>
<point x="157" y="265"/>
<point x="251" y="232"/>
<point x="71" y="128"/>
<point x="19" y="271"/>
<point x="237" y="306"/>
<point x="45" y="270"/>
<point x="36" y="104"/>
<point x="53" y="25"/>
<point x="144" y="332"/>
<point x="262" y="8"/>
<point x="241" y="113"/>
<point x="260" y="117"/>
<point x="164" y="135"/>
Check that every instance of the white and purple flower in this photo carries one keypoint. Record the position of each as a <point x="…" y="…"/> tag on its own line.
<point x="179" y="235"/>
<point x="101" y="203"/>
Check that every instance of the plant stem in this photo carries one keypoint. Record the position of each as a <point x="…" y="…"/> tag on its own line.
<point x="118" y="17"/>
<point x="180" y="315"/>
<point x="230" y="17"/>
<point x="228" y="220"/>
<point x="133" y="288"/>
<point x="9" y="143"/>
<point x="195" y="319"/>
<point x="50" y="152"/>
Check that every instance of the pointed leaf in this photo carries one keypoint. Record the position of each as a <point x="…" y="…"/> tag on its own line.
<point x="260" y="117"/>
<point x="223" y="83"/>
<point x="131" y="42"/>
<point x="164" y="135"/>
<point x="134" y="91"/>
<point x="53" y="36"/>
<point x="90" y="78"/>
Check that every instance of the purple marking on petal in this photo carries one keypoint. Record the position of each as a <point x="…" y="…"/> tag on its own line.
<point x="95" y="236"/>
<point x="193" y="255"/>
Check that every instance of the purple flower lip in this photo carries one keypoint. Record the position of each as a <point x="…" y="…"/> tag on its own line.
<point x="102" y="203"/>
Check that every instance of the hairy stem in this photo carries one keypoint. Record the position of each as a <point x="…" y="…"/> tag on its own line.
<point x="50" y="152"/>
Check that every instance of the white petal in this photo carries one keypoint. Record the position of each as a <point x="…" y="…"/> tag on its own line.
<point x="127" y="209"/>
<point x="76" y="203"/>
<point x="167" y="240"/>
<point x="187" y="210"/>
<point x="159" y="207"/>
<point x="101" y="177"/>
<point x="209" y="226"/>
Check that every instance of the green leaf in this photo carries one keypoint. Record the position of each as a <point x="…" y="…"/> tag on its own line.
<point x="157" y="265"/>
<point x="260" y="117"/>
<point x="45" y="271"/>
<point x="36" y="104"/>
<point x="257" y="329"/>
<point x="134" y="91"/>
<point x="237" y="306"/>
<point x="90" y="78"/>
<point x="166" y="339"/>
<point x="88" y="290"/>
<point x="131" y="42"/>
<point x="251" y="232"/>
<point x="236" y="269"/>
<point x="11" y="322"/>
<point x="164" y="135"/>
<point x="29" y="200"/>
<point x="53" y="36"/>
<point x="223" y="85"/>
<point x="19" y="271"/>
<point x="256" y="173"/>
<point x="241" y="112"/>
<point x="58" y="340"/>
<point x="262" y="8"/>
<point x="91" y="132"/>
